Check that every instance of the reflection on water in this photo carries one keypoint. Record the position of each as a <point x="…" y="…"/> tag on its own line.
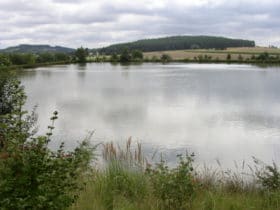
<point x="225" y="112"/>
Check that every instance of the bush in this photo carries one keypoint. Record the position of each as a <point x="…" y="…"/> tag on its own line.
<point x="137" y="55"/>
<point x="31" y="175"/>
<point x="165" y="58"/>
<point x="114" y="57"/>
<point x="228" y="56"/>
<point x="269" y="176"/>
<point x="173" y="187"/>
<point x="4" y="60"/>
<point x="125" y="56"/>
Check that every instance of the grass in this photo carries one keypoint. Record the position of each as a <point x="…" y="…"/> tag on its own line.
<point x="126" y="181"/>
<point x="245" y="52"/>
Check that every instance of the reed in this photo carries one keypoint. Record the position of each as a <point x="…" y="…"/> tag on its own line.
<point x="128" y="182"/>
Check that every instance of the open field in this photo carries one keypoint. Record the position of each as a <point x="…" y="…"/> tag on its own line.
<point x="245" y="52"/>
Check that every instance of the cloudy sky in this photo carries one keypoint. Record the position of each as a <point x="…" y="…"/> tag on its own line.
<point x="96" y="23"/>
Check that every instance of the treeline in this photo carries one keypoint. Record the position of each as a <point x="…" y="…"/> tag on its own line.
<point x="177" y="43"/>
<point x="137" y="56"/>
<point x="12" y="59"/>
<point x="127" y="56"/>
<point x="30" y="59"/>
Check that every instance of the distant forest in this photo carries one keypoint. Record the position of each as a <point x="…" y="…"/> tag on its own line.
<point x="29" y="48"/>
<point x="177" y="43"/>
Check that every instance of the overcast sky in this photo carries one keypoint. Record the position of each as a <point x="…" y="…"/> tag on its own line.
<point x="97" y="23"/>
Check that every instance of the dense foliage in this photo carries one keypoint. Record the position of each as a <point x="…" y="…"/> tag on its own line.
<point x="165" y="58"/>
<point x="31" y="175"/>
<point x="174" y="187"/>
<point x="127" y="56"/>
<point x="178" y="43"/>
<point x="8" y="59"/>
<point x="81" y="54"/>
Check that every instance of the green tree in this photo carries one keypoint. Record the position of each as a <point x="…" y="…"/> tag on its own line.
<point x="4" y="60"/>
<point x="263" y="56"/>
<point x="22" y="58"/>
<point x="114" y="57"/>
<point x="125" y="56"/>
<point x="61" y="57"/>
<point x="31" y="175"/>
<point x="165" y="58"/>
<point x="137" y="55"/>
<point x="7" y="96"/>
<point x="81" y="54"/>
<point x="45" y="57"/>
<point x="228" y="57"/>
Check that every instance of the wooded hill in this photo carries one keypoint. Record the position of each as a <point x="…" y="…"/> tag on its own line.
<point x="177" y="43"/>
<point x="27" y="48"/>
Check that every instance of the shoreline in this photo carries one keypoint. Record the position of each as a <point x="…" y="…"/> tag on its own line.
<point x="27" y="66"/>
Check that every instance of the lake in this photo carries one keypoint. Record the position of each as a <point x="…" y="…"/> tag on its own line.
<point x="218" y="111"/>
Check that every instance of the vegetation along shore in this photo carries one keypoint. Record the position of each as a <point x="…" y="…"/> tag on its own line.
<point x="197" y="49"/>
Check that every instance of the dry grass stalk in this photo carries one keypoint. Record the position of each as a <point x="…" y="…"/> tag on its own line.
<point x="129" y="154"/>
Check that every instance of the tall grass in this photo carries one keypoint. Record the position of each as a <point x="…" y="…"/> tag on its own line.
<point x="129" y="181"/>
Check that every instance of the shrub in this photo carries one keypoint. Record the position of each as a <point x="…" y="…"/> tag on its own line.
<point x="174" y="187"/>
<point x="154" y="59"/>
<point x="31" y="175"/>
<point x="228" y="56"/>
<point x="137" y="55"/>
<point x="125" y="56"/>
<point x="165" y="58"/>
<point x="269" y="176"/>
<point x="265" y="56"/>
<point x="114" y="57"/>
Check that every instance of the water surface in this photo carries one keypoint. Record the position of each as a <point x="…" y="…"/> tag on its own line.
<point x="218" y="111"/>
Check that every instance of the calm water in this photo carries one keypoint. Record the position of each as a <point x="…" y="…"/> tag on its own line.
<point x="218" y="111"/>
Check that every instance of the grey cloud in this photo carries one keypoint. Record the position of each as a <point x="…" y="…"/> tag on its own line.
<point x="95" y="23"/>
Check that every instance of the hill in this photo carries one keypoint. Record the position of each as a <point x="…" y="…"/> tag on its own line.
<point x="26" y="48"/>
<point x="177" y="43"/>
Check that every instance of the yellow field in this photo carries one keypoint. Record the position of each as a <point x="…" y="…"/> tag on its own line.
<point x="245" y="52"/>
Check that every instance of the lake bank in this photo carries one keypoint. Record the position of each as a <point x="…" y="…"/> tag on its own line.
<point x="128" y="181"/>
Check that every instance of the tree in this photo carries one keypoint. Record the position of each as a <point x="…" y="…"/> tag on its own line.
<point x="137" y="55"/>
<point x="45" y="57"/>
<point x="81" y="54"/>
<point x="31" y="175"/>
<point x="125" y="56"/>
<point x="228" y="57"/>
<point x="114" y="57"/>
<point x="61" y="56"/>
<point x="22" y="58"/>
<point x="4" y="60"/>
<point x="165" y="58"/>
<point x="8" y="87"/>
<point x="263" y="56"/>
